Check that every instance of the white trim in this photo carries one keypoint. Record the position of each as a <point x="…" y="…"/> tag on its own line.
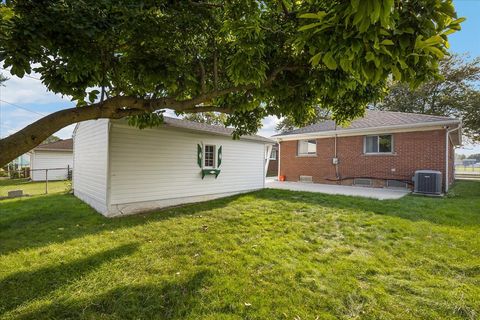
<point x="447" y="149"/>
<point x="49" y="149"/>
<point x="424" y="126"/>
<point x="267" y="159"/>
<point x="308" y="154"/>
<point x="108" y="168"/>
<point x="378" y="144"/>
<point x="215" y="164"/>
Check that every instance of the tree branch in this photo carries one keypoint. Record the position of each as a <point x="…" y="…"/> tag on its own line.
<point x="115" y="108"/>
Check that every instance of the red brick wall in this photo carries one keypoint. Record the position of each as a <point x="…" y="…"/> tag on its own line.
<point x="411" y="151"/>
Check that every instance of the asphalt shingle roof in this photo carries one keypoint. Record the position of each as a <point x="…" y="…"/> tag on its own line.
<point x="372" y="119"/>
<point x="66" y="144"/>
<point x="196" y="126"/>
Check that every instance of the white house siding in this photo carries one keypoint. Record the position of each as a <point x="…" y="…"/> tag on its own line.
<point x="154" y="168"/>
<point x="90" y="145"/>
<point x="57" y="162"/>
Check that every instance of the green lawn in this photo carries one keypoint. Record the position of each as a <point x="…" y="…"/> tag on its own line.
<point x="271" y="254"/>
<point x="467" y="169"/>
<point x="32" y="188"/>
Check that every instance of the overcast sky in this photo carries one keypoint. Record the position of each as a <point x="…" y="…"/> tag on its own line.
<point x="25" y="100"/>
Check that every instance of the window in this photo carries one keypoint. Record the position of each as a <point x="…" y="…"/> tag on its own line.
<point x="273" y="155"/>
<point x="379" y="144"/>
<point x="209" y="156"/>
<point x="396" y="184"/>
<point x="307" y="147"/>
<point x="362" y="182"/>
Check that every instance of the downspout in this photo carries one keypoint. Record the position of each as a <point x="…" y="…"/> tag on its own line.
<point x="267" y="160"/>
<point x="447" y="148"/>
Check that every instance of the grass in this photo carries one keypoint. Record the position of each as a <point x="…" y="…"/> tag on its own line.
<point x="467" y="169"/>
<point x="271" y="254"/>
<point x="32" y="188"/>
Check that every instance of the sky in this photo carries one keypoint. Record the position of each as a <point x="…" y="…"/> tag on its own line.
<point x="22" y="101"/>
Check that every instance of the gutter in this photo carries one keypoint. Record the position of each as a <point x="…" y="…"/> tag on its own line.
<point x="352" y="132"/>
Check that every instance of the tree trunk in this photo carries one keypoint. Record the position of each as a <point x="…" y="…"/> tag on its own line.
<point x="33" y="134"/>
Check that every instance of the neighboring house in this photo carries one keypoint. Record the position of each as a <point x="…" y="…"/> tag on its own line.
<point x="56" y="156"/>
<point x="383" y="149"/>
<point x="273" y="163"/>
<point x="120" y="169"/>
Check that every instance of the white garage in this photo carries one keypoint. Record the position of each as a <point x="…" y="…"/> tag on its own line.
<point x="120" y="169"/>
<point x="52" y="160"/>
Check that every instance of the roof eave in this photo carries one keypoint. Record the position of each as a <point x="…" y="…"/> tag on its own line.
<point x="370" y="130"/>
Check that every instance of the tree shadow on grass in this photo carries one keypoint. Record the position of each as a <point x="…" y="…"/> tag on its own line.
<point x="172" y="300"/>
<point x="39" y="221"/>
<point x="460" y="209"/>
<point x="25" y="286"/>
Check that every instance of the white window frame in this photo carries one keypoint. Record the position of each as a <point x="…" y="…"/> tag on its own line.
<point x="378" y="143"/>
<point x="273" y="154"/>
<point x="214" y="156"/>
<point x="308" y="154"/>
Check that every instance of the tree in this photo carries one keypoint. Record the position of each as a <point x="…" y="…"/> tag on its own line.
<point x="288" y="123"/>
<point x="475" y="156"/>
<point x="213" y="118"/>
<point x="51" y="139"/>
<point x="245" y="58"/>
<point x="454" y="93"/>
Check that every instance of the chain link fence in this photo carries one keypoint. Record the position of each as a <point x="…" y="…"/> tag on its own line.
<point x="26" y="181"/>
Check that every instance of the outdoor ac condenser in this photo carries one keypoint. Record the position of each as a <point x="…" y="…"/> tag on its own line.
<point x="428" y="182"/>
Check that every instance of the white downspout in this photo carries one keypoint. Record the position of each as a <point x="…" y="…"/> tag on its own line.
<point x="267" y="162"/>
<point x="447" y="149"/>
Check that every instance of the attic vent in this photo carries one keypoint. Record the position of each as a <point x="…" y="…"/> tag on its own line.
<point x="362" y="182"/>
<point x="306" y="179"/>
<point x="396" y="184"/>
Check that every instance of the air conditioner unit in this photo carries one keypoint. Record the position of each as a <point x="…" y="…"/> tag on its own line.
<point x="428" y="182"/>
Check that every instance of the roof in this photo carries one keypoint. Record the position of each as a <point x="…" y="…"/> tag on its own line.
<point x="374" y="119"/>
<point x="215" y="129"/>
<point x="60" y="145"/>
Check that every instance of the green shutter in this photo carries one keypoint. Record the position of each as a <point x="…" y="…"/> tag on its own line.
<point x="219" y="156"/>
<point x="199" y="155"/>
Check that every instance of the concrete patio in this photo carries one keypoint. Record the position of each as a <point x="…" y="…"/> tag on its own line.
<point x="375" y="193"/>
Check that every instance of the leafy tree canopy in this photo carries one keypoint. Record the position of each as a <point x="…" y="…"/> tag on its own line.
<point x="475" y="156"/>
<point x="51" y="139"/>
<point x="455" y="93"/>
<point x="316" y="114"/>
<point x="245" y="58"/>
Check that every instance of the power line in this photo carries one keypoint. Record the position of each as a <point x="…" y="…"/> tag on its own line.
<point x="23" y="108"/>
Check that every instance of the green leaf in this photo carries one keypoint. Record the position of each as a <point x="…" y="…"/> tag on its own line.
<point x="316" y="59"/>
<point x="309" y="26"/>
<point x="329" y="61"/>
<point x="396" y="73"/>
<point x="319" y="15"/>
<point x="387" y="42"/>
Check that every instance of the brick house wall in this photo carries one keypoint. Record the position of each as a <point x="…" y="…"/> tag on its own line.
<point x="411" y="151"/>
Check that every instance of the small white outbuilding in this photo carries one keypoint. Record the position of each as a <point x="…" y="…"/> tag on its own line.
<point x="121" y="169"/>
<point x="52" y="161"/>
